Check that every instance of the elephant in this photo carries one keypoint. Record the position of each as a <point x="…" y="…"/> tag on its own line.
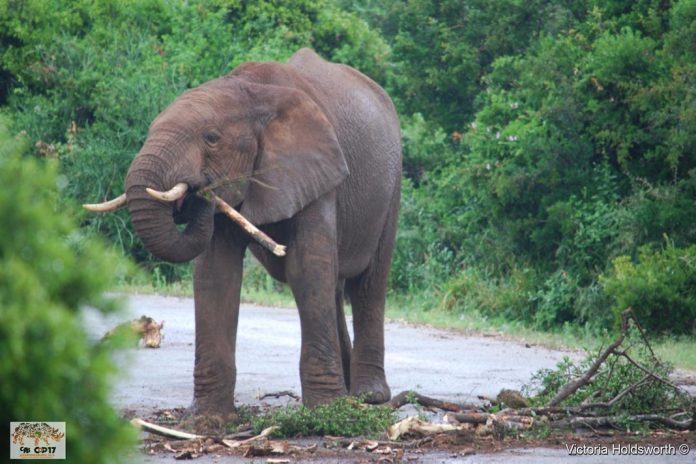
<point x="307" y="153"/>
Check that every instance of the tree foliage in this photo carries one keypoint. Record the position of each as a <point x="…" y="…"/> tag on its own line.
<point x="49" y="269"/>
<point x="542" y="140"/>
<point x="577" y="150"/>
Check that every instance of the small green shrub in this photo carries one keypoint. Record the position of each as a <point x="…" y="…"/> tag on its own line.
<point x="49" y="270"/>
<point x="347" y="417"/>
<point x="419" y="260"/>
<point x="659" y="288"/>
<point x="425" y="146"/>
<point x="505" y="298"/>
<point x="555" y="300"/>
<point x="257" y="279"/>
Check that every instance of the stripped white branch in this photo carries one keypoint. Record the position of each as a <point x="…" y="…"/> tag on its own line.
<point x="164" y="431"/>
<point x="237" y="443"/>
<point x="263" y="239"/>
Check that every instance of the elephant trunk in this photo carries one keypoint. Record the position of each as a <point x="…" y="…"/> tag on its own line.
<point x="153" y="220"/>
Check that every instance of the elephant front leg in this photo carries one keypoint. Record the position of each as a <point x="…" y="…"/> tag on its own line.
<point x="312" y="270"/>
<point x="217" y="283"/>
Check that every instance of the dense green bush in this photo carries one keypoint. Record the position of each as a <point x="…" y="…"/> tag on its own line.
<point x="89" y="77"/>
<point x="503" y="299"/>
<point x="659" y="288"/>
<point x="49" y="270"/>
<point x="579" y="149"/>
<point x="541" y="139"/>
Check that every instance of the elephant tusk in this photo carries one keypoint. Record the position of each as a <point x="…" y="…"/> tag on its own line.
<point x="263" y="239"/>
<point x="175" y="193"/>
<point x="107" y="206"/>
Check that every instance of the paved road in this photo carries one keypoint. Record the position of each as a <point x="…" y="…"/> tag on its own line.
<point x="437" y="363"/>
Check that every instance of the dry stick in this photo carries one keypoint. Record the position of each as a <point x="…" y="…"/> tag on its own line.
<point x="609" y="421"/>
<point x="282" y="393"/>
<point x="240" y="435"/>
<point x="644" y="337"/>
<point x="589" y="422"/>
<point x="237" y="443"/>
<point x="571" y="387"/>
<point x="542" y="411"/>
<point x="164" y="431"/>
<point x="614" y="400"/>
<point x="404" y="397"/>
<point x="648" y="372"/>
<point x="609" y="376"/>
<point x="481" y="418"/>
<point x="266" y="241"/>
<point x="669" y="422"/>
<point x="595" y="421"/>
<point x="506" y="416"/>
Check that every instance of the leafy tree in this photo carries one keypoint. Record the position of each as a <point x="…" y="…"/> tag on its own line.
<point x="659" y="288"/>
<point x="542" y="140"/>
<point x="579" y="149"/>
<point x="85" y="79"/>
<point x="49" y="270"/>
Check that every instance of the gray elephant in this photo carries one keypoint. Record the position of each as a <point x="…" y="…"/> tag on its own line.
<point x="310" y="153"/>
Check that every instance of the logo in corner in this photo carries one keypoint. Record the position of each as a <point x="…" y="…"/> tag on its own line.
<point x="37" y="440"/>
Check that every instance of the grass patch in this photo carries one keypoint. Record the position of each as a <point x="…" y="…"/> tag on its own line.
<point x="180" y="288"/>
<point x="423" y="308"/>
<point x="680" y="351"/>
<point x="282" y="298"/>
<point x="346" y="417"/>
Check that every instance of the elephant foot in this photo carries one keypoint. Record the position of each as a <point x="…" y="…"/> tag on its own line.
<point x="222" y="408"/>
<point x="206" y="419"/>
<point x="372" y="390"/>
<point x="208" y="424"/>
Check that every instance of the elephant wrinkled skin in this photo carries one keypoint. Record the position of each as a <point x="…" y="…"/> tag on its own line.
<point x="310" y="152"/>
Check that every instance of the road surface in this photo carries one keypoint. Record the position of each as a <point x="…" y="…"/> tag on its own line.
<point x="437" y="363"/>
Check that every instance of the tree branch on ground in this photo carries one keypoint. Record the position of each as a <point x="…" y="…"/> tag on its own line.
<point x="606" y="385"/>
<point x="410" y="396"/>
<point x="279" y="394"/>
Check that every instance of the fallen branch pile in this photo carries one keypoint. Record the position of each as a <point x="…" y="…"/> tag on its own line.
<point x="589" y="413"/>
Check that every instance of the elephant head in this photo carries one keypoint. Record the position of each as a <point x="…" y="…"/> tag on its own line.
<point x="268" y="150"/>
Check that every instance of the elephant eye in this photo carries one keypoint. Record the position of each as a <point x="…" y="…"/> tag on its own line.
<point x="211" y="137"/>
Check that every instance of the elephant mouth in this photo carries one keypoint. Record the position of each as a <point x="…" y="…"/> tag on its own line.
<point x="184" y="209"/>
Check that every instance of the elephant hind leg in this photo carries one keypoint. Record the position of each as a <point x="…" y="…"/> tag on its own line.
<point x="367" y="294"/>
<point x="343" y="335"/>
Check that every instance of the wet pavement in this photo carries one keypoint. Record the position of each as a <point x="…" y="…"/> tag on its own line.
<point x="436" y="363"/>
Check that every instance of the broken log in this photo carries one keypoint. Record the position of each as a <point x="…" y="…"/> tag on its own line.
<point x="409" y="396"/>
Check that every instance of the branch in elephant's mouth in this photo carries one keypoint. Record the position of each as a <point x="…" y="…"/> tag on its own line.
<point x="263" y="239"/>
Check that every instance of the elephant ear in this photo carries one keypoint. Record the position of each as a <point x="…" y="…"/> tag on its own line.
<point x="299" y="158"/>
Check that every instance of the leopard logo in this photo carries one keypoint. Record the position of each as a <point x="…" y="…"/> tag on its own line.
<point x="37" y="431"/>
